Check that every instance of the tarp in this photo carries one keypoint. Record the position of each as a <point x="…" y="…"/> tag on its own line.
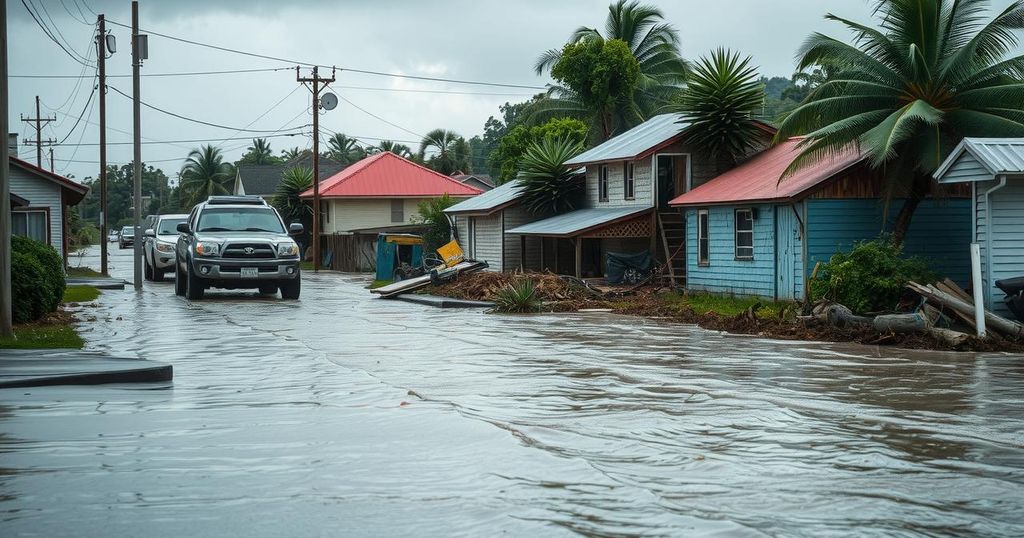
<point x="628" y="268"/>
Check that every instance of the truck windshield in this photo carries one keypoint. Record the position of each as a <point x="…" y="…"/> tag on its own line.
<point x="169" y="226"/>
<point x="239" y="219"/>
<point x="127" y="230"/>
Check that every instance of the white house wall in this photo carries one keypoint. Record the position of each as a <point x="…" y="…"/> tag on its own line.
<point x="487" y="241"/>
<point x="41" y="193"/>
<point x="355" y="214"/>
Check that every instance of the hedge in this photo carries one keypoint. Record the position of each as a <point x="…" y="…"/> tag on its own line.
<point x="37" y="279"/>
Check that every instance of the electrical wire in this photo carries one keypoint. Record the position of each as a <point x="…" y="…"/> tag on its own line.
<point x="184" y="74"/>
<point x="269" y="110"/>
<point x="349" y="69"/>
<point x="371" y="114"/>
<point x="74" y="56"/>
<point x="188" y="141"/>
<point x="81" y="136"/>
<point x="88" y="107"/>
<point x="82" y="20"/>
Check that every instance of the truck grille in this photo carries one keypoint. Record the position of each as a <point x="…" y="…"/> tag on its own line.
<point x="249" y="251"/>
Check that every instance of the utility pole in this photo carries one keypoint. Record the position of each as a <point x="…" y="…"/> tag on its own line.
<point x="101" y="63"/>
<point x="39" y="121"/>
<point x="6" y="313"/>
<point x="51" y="160"/>
<point x="316" y="80"/>
<point x="139" y="52"/>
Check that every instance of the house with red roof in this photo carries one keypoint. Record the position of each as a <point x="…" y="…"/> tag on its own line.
<point x="45" y="199"/>
<point x="753" y="231"/>
<point x="380" y="193"/>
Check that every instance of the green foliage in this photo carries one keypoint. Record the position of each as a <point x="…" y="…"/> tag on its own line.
<point x="439" y="228"/>
<point x="513" y="145"/>
<point x="602" y="76"/>
<point x="259" y="153"/>
<point x="345" y="150"/>
<point x="80" y="294"/>
<point x="37" y="279"/>
<point x="120" y="186"/>
<point x="288" y="203"/>
<point x="518" y="297"/>
<point x="869" y="278"/>
<point x="906" y="92"/>
<point x="394" y="147"/>
<point x="43" y="337"/>
<point x="290" y="153"/>
<point x="720" y="100"/>
<point x="205" y="174"/>
<point x="547" y="183"/>
<point x="445" y="152"/>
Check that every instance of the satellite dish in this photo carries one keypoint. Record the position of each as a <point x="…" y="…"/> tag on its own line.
<point x="329" y="101"/>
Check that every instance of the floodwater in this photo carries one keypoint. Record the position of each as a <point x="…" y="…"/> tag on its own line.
<point x="345" y="415"/>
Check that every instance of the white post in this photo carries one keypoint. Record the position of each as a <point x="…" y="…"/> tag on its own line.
<point x="979" y="293"/>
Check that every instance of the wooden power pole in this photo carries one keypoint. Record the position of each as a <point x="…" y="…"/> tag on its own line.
<point x="101" y="64"/>
<point x="140" y="46"/>
<point x="316" y="81"/>
<point x="39" y="120"/>
<point x="6" y="312"/>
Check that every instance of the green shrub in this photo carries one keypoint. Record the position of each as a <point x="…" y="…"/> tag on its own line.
<point x="517" y="297"/>
<point x="869" y="278"/>
<point x="37" y="279"/>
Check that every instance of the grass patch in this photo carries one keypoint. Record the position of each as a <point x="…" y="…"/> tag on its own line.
<point x="33" y="336"/>
<point x="306" y="266"/>
<point x="80" y="294"/>
<point x="379" y="284"/>
<point x="83" y="272"/>
<point x="726" y="305"/>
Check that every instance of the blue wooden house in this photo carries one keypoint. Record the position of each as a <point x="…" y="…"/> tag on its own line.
<point x="994" y="168"/>
<point x="750" y="234"/>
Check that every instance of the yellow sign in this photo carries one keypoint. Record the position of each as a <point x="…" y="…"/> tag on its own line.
<point x="451" y="254"/>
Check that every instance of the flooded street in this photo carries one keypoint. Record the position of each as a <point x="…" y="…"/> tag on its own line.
<point x="346" y="415"/>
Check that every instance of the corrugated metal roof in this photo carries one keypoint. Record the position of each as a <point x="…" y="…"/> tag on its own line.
<point x="633" y="142"/>
<point x="998" y="155"/>
<point x="581" y="220"/>
<point x="758" y="178"/>
<point x="490" y="200"/>
<point x="388" y="175"/>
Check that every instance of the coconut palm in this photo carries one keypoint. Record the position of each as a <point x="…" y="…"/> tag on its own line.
<point x="345" y="150"/>
<point x="547" y="183"/>
<point x="931" y="73"/>
<point x="448" y="152"/>
<point x="720" y="99"/>
<point x="654" y="44"/>
<point x="259" y="152"/>
<point x="205" y="174"/>
<point x="291" y="153"/>
<point x="394" y="147"/>
<point x="294" y="182"/>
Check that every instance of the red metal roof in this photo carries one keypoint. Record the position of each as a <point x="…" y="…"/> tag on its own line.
<point x="387" y="175"/>
<point x="76" y="190"/>
<point x="757" y="180"/>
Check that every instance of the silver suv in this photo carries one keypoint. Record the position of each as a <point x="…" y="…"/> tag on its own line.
<point x="236" y="242"/>
<point x="158" y="247"/>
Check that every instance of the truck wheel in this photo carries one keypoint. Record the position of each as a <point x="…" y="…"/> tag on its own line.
<point x="179" y="279"/>
<point x="268" y="290"/>
<point x="193" y="285"/>
<point x="147" y="270"/>
<point x="157" y="274"/>
<point x="290" y="288"/>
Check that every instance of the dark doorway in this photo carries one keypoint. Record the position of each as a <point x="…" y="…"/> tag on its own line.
<point x="672" y="177"/>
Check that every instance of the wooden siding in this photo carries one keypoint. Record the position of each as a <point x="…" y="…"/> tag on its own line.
<point x="42" y="193"/>
<point x="643" y="193"/>
<point x="966" y="167"/>
<point x="726" y="274"/>
<point x="487" y="241"/>
<point x="355" y="214"/>
<point x="1007" y="237"/>
<point x="515" y="216"/>
<point x="940" y="231"/>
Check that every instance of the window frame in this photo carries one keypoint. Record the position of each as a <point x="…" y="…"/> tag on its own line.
<point x="628" y="180"/>
<point x="736" y="233"/>
<point x="400" y="204"/>
<point x="602" y="183"/>
<point x="45" y="211"/>
<point x="703" y="238"/>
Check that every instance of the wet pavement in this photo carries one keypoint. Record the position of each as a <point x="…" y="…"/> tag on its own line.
<point x="346" y="415"/>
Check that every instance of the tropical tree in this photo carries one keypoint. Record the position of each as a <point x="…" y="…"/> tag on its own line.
<point x="345" y="150"/>
<point x="513" y="145"/>
<point x="291" y="153"/>
<point x="721" y="98"/>
<point x="547" y="183"/>
<point x="294" y="182"/>
<point x="931" y="73"/>
<point x="438" y="226"/>
<point x="445" y="151"/>
<point x="205" y="174"/>
<point x="259" y="153"/>
<point x="654" y="45"/>
<point x="394" y="147"/>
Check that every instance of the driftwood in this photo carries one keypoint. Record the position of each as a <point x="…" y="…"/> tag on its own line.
<point x="1010" y="329"/>
<point x="838" y="315"/>
<point x="901" y="323"/>
<point x="951" y="288"/>
<point x="949" y="337"/>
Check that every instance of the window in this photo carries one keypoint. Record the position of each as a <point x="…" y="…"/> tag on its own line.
<point x="398" y="210"/>
<point x="31" y="224"/>
<point x="628" y="181"/>
<point x="471" y="240"/>
<point x="744" y="234"/>
<point x="239" y="219"/>
<point x="325" y="213"/>
<point x="602" y="183"/>
<point x="703" y="244"/>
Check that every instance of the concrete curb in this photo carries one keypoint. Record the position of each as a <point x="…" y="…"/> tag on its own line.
<point x="37" y="368"/>
<point x="442" y="302"/>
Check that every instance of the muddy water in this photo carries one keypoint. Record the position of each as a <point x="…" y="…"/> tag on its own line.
<point x="345" y="415"/>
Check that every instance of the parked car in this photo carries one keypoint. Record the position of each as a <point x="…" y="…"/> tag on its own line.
<point x="126" y="238"/>
<point x="158" y="248"/>
<point x="113" y="236"/>
<point x="235" y="242"/>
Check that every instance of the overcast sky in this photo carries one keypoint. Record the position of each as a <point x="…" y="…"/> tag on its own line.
<point x="480" y="40"/>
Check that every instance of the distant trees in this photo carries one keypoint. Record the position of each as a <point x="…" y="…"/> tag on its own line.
<point x="294" y="182"/>
<point x="291" y="153"/>
<point x="398" y="149"/>
<point x="344" y="149"/>
<point x="517" y="141"/>
<point x="445" y="151"/>
<point x="259" y="153"/>
<point x="205" y="174"/>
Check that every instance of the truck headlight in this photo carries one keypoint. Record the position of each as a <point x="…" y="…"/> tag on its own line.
<point x="204" y="248"/>
<point x="164" y="247"/>
<point x="288" y="249"/>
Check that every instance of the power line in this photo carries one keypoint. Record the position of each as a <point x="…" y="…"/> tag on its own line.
<point x="90" y="103"/>
<point x="183" y="74"/>
<point x="73" y="56"/>
<point x="201" y="122"/>
<point x="88" y="107"/>
<point x="272" y="107"/>
<point x="189" y="141"/>
<point x="363" y="110"/>
<point x="82" y="20"/>
<point x="352" y="70"/>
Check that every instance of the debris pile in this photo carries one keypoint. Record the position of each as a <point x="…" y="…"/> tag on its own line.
<point x="484" y="286"/>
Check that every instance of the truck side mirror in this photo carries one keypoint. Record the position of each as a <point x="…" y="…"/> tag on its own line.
<point x="183" y="228"/>
<point x="149" y="233"/>
<point x="295" y="228"/>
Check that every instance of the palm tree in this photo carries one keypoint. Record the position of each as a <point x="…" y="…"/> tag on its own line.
<point x="294" y="182"/>
<point x="654" y="44"/>
<point x="259" y="152"/>
<point x="722" y="94"/>
<point x="449" y="152"/>
<point x="205" y="174"/>
<point x="345" y="150"/>
<point x="547" y="183"/>
<point x="933" y="72"/>
<point x="394" y="147"/>
<point x="291" y="153"/>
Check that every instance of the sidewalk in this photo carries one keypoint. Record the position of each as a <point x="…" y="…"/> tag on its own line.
<point x="42" y="367"/>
